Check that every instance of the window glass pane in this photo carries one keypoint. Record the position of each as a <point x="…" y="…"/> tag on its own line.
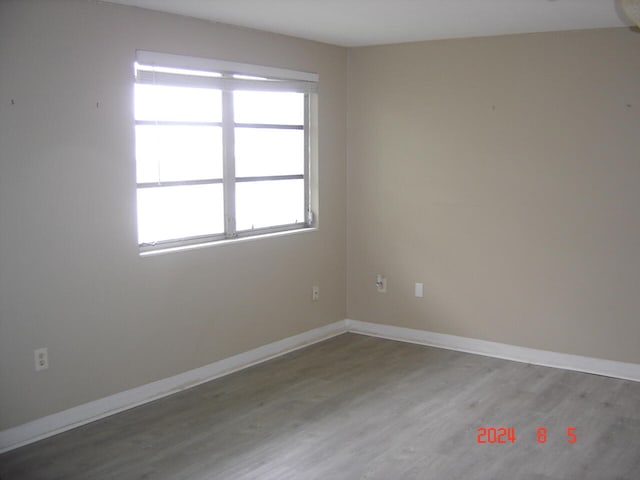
<point x="269" y="203"/>
<point x="169" y="213"/>
<point x="268" y="151"/>
<point x="175" y="152"/>
<point x="274" y="108"/>
<point x="178" y="104"/>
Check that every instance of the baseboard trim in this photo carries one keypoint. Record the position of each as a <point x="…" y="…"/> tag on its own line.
<point x="50" y="425"/>
<point x="597" y="366"/>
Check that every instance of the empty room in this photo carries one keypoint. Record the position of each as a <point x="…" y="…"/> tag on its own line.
<point x="340" y="239"/>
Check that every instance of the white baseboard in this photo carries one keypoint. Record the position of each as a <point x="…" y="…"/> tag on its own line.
<point x="74" y="417"/>
<point x="598" y="366"/>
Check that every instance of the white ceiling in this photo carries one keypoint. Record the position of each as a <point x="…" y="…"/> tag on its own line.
<point x="373" y="22"/>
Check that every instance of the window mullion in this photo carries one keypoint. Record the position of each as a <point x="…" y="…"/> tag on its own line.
<point x="309" y="220"/>
<point x="229" y="168"/>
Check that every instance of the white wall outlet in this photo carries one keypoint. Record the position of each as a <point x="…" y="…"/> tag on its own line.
<point x="419" y="290"/>
<point x="41" y="359"/>
<point x="381" y="283"/>
<point x="315" y="293"/>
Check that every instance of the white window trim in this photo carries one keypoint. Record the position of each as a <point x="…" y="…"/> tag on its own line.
<point x="208" y="64"/>
<point x="277" y="79"/>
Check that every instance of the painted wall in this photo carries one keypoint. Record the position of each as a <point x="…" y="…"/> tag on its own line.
<point x="501" y="172"/>
<point x="70" y="275"/>
<point x="504" y="173"/>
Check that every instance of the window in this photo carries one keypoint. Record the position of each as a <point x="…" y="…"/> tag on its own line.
<point x="222" y="150"/>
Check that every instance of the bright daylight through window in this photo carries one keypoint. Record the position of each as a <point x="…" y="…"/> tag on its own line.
<point x="222" y="149"/>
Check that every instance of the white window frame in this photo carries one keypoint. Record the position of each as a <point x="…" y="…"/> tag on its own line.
<point x="178" y="70"/>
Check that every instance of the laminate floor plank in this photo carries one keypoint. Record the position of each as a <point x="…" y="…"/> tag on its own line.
<point x="357" y="407"/>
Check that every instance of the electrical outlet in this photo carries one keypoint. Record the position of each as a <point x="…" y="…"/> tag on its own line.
<point x="315" y="293"/>
<point x="41" y="359"/>
<point x="381" y="283"/>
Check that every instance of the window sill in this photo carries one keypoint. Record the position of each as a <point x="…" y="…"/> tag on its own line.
<point x="219" y="243"/>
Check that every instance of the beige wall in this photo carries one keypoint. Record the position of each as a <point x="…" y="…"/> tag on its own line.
<point x="501" y="172"/>
<point x="70" y="275"/>
<point x="504" y="173"/>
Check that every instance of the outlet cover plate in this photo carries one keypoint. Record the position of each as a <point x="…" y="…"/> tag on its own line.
<point x="41" y="359"/>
